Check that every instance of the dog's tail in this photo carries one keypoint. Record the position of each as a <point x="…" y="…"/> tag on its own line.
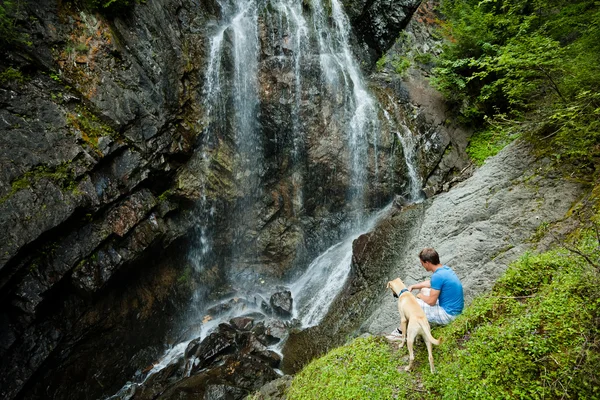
<point x="426" y="330"/>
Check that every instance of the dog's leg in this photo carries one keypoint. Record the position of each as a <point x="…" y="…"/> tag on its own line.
<point x="410" y="340"/>
<point x="403" y="329"/>
<point x="428" y="344"/>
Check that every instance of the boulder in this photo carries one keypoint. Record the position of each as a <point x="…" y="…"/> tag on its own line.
<point x="214" y="346"/>
<point x="242" y="323"/>
<point x="282" y="303"/>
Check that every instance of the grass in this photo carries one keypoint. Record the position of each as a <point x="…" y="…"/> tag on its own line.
<point x="365" y="368"/>
<point x="536" y="335"/>
<point x="487" y="143"/>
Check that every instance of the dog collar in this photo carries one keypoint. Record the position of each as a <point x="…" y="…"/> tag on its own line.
<point x="400" y="294"/>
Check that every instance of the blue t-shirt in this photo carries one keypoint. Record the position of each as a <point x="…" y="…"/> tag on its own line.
<point x="451" y="291"/>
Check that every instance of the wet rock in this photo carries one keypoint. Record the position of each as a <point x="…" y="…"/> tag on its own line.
<point x="160" y="381"/>
<point x="378" y="23"/>
<point x="266" y="308"/>
<point x="282" y="303"/>
<point x="251" y="345"/>
<point x="226" y="306"/>
<point x="276" y="329"/>
<point x="262" y="333"/>
<point x="223" y="392"/>
<point x="245" y="373"/>
<point x="242" y="323"/>
<point x="212" y="347"/>
<point x="229" y="362"/>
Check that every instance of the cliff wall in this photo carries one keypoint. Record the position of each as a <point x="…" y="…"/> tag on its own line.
<point x="100" y="177"/>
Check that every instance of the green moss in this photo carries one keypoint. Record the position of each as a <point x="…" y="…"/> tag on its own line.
<point x="186" y="276"/>
<point x="90" y="126"/>
<point x="164" y="196"/>
<point x="11" y="74"/>
<point x="540" y="232"/>
<point x="380" y="64"/>
<point x="62" y="175"/>
<point x="81" y="48"/>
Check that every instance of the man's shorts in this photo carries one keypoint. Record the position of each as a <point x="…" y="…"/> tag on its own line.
<point x="435" y="314"/>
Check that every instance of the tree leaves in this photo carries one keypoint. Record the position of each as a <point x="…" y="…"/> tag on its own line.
<point x="530" y="61"/>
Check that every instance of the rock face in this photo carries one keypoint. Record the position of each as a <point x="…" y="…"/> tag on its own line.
<point x="378" y="23"/>
<point x="89" y="147"/>
<point x="481" y="225"/>
<point x="102" y="168"/>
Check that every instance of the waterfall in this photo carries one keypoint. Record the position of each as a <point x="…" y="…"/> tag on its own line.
<point x="309" y="38"/>
<point x="407" y="140"/>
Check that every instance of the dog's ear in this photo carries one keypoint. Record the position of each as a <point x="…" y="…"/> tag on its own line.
<point x="389" y="285"/>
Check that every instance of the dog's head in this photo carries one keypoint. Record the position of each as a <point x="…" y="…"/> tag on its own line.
<point x="396" y="285"/>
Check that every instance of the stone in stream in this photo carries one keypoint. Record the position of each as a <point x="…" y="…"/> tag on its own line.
<point x="282" y="303"/>
<point x="213" y="346"/>
<point x="242" y="323"/>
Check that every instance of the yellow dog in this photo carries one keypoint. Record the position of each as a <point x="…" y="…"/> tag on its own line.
<point x="413" y="321"/>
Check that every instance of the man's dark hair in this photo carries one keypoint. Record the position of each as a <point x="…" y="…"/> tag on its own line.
<point x="429" y="254"/>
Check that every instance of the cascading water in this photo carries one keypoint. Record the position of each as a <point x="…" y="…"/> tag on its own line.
<point x="232" y="99"/>
<point x="315" y="290"/>
<point x="407" y="140"/>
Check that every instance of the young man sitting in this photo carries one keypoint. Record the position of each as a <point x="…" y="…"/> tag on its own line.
<point x="441" y="297"/>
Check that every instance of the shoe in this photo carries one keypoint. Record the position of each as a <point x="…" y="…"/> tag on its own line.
<point x="395" y="335"/>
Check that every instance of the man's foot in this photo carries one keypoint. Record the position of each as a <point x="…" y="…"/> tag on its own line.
<point x="395" y="335"/>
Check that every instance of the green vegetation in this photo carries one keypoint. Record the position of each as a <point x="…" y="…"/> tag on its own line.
<point x="11" y="74"/>
<point x="526" y="67"/>
<point x="535" y="336"/>
<point x="62" y="175"/>
<point x="423" y="58"/>
<point x="487" y="143"/>
<point x="380" y="64"/>
<point x="186" y="276"/>
<point x="90" y="126"/>
<point x="363" y="369"/>
<point x="401" y="65"/>
<point x="9" y="32"/>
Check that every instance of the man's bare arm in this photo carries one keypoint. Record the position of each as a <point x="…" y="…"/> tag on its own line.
<point x="431" y="299"/>
<point x="420" y="285"/>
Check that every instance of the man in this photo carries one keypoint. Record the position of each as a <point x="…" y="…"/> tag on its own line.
<point x="441" y="297"/>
